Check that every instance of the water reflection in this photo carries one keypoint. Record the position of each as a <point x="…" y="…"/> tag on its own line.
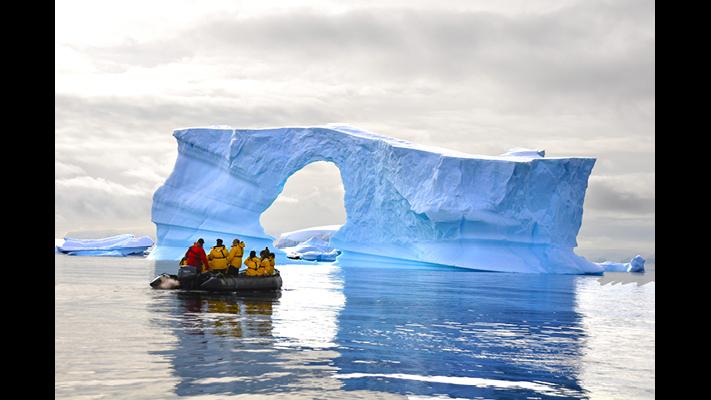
<point x="618" y="351"/>
<point x="459" y="333"/>
<point x="364" y="332"/>
<point x="258" y="344"/>
<point x="228" y="314"/>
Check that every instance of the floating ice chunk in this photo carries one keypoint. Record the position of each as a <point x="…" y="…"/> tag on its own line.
<point x="290" y="239"/>
<point x="116" y="246"/>
<point x="635" y="265"/>
<point x="313" y="249"/>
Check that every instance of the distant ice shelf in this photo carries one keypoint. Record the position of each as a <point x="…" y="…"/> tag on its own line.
<point x="113" y="246"/>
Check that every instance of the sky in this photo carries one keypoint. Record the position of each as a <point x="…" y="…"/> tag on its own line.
<point x="575" y="78"/>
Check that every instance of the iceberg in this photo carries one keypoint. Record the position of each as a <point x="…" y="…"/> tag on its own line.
<point x="313" y="249"/>
<point x="405" y="202"/>
<point x="636" y="264"/>
<point x="312" y="244"/>
<point x="113" y="246"/>
<point x="293" y="238"/>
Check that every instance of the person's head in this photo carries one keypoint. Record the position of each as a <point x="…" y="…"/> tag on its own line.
<point x="200" y="242"/>
<point x="235" y="242"/>
<point x="252" y="254"/>
<point x="219" y="242"/>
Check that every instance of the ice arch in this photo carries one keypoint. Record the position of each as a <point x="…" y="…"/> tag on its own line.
<point x="403" y="201"/>
<point x="313" y="196"/>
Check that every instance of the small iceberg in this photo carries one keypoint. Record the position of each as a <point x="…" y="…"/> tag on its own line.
<point x="636" y="264"/>
<point x="312" y="244"/>
<point x="289" y="239"/>
<point x="113" y="246"/>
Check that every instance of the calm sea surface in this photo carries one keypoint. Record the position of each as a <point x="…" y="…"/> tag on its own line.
<point x="351" y="333"/>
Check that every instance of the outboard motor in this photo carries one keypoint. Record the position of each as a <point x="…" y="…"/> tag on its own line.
<point x="186" y="272"/>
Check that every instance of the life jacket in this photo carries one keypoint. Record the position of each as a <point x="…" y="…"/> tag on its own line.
<point x="235" y="256"/>
<point x="252" y="266"/>
<point x="270" y="268"/>
<point x="264" y="266"/>
<point x="239" y="250"/>
<point x="194" y="256"/>
<point x="218" y="257"/>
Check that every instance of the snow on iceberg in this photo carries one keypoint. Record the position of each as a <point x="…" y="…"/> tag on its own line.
<point x="521" y="152"/>
<point x="404" y="201"/>
<point x="116" y="246"/>
<point x="636" y="264"/>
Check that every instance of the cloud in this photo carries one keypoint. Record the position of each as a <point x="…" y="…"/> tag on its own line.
<point x="589" y="50"/>
<point x="96" y="184"/>
<point x="631" y="194"/>
<point x="89" y="202"/>
<point x="62" y="170"/>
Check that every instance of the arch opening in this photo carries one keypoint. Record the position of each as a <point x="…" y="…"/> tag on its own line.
<point x="312" y="197"/>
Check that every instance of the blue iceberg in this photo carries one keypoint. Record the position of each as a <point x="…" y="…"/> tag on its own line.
<point x="313" y="249"/>
<point x="517" y="212"/>
<point x="113" y="246"/>
<point x="636" y="264"/>
<point x="312" y="244"/>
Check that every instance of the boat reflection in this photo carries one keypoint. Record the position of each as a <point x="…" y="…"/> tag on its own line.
<point x="228" y="314"/>
<point x="257" y="343"/>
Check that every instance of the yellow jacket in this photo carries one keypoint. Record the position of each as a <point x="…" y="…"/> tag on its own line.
<point x="218" y="258"/>
<point x="235" y="257"/>
<point x="270" y="266"/>
<point x="264" y="266"/>
<point x="252" y="265"/>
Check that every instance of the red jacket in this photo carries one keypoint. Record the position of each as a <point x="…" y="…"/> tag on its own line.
<point x="196" y="257"/>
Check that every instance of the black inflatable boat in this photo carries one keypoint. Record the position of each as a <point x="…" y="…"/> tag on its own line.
<point x="188" y="279"/>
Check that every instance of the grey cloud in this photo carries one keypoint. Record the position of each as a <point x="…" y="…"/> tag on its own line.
<point x="583" y="50"/>
<point x="616" y="238"/>
<point x="119" y="116"/>
<point x="86" y="202"/>
<point x="625" y="195"/>
<point x="63" y="170"/>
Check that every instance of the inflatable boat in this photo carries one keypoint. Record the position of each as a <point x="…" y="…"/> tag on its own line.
<point x="189" y="279"/>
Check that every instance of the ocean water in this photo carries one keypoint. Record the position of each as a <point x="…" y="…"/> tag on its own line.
<point x="355" y="332"/>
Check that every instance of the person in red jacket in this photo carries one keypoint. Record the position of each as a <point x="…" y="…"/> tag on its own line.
<point x="196" y="256"/>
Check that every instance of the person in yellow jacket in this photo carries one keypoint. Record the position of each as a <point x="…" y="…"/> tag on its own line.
<point x="252" y="263"/>
<point x="264" y="265"/>
<point x="270" y="268"/>
<point x="218" y="258"/>
<point x="235" y="257"/>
